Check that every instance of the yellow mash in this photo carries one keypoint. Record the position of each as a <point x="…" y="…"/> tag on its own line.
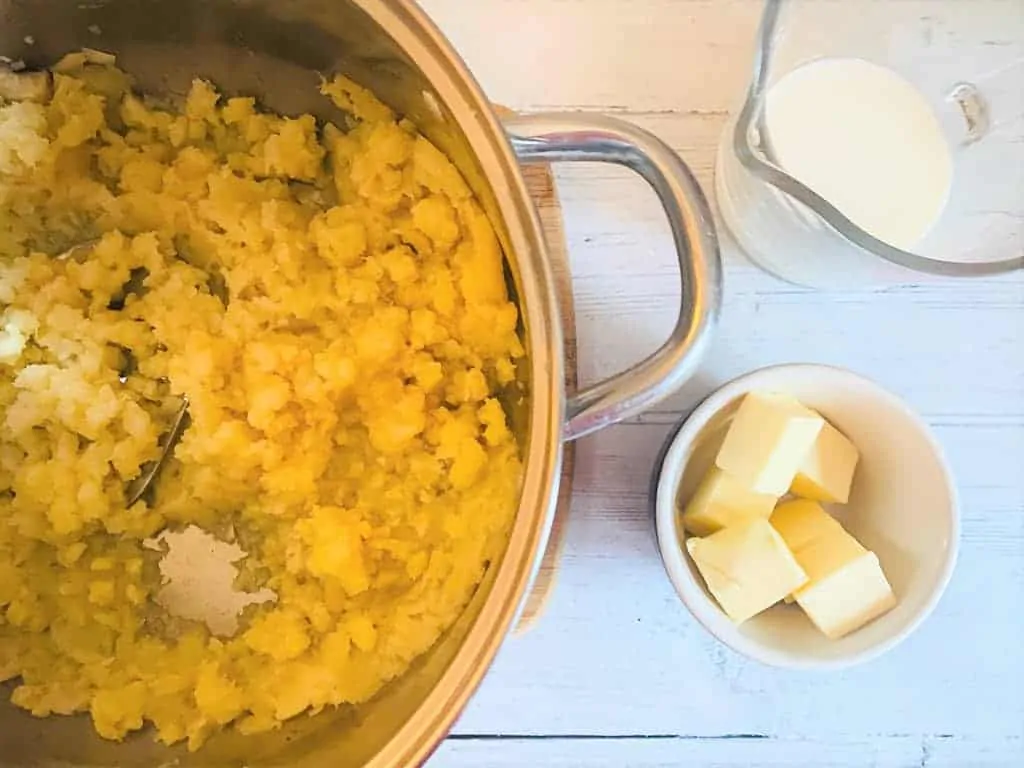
<point x="332" y="304"/>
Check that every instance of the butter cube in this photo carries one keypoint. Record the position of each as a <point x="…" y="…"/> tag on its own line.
<point x="721" y="500"/>
<point x="816" y="539"/>
<point x="801" y="522"/>
<point x="746" y="567"/>
<point x="767" y="442"/>
<point x="848" y="598"/>
<point x="826" y="472"/>
<point x="846" y="587"/>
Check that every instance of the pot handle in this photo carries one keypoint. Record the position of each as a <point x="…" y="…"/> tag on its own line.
<point x="574" y="137"/>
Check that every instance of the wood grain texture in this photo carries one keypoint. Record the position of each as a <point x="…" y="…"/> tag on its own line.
<point x="732" y="751"/>
<point x="617" y="673"/>
<point x="606" y="55"/>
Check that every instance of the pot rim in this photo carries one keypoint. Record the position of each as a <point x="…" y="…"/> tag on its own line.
<point x="421" y="40"/>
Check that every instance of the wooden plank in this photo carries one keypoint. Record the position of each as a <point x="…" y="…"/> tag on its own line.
<point x="610" y="55"/>
<point x="696" y="55"/>
<point x="732" y="752"/>
<point x="617" y="653"/>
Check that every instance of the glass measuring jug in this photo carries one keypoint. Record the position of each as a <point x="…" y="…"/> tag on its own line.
<point x="880" y="142"/>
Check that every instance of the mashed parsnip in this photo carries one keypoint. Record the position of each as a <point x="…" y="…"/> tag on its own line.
<point x="332" y="303"/>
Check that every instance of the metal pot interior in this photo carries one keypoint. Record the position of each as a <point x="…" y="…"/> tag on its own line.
<point x="276" y="51"/>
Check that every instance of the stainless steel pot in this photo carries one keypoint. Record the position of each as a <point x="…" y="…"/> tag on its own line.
<point x="276" y="49"/>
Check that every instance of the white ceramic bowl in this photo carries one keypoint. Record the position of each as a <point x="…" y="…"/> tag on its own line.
<point x="903" y="506"/>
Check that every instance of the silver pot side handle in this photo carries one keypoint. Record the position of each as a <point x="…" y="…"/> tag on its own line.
<point x="574" y="137"/>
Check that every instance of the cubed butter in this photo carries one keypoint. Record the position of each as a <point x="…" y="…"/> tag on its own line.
<point x="846" y="587"/>
<point x="800" y="522"/>
<point x="767" y="442"/>
<point x="816" y="539"/>
<point x="826" y="472"/>
<point x="848" y="598"/>
<point x="823" y="556"/>
<point x="747" y="567"/>
<point x="720" y="501"/>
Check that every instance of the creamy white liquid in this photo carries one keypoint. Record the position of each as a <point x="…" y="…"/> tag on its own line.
<point x="865" y="140"/>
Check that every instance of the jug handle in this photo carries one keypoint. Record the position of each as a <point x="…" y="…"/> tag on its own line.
<point x="574" y="137"/>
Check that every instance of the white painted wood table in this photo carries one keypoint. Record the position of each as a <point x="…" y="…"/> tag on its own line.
<point x="616" y="672"/>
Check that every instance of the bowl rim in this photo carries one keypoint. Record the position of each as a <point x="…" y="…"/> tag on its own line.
<point x="665" y="485"/>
